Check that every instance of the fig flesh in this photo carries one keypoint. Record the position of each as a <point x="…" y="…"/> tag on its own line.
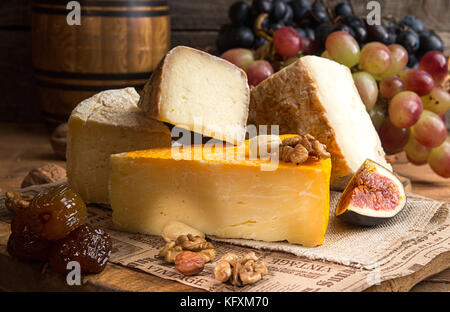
<point x="373" y="196"/>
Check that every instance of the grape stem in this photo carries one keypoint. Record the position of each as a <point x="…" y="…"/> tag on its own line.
<point x="258" y="27"/>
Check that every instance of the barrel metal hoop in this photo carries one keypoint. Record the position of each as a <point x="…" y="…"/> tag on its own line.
<point x="101" y="13"/>
<point x="94" y="88"/>
<point x="93" y="76"/>
<point x="97" y="3"/>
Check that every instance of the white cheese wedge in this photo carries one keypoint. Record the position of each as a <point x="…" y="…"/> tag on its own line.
<point x="107" y="123"/>
<point x="318" y="96"/>
<point x="199" y="92"/>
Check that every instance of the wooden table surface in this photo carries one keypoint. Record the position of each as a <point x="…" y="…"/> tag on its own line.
<point x="26" y="146"/>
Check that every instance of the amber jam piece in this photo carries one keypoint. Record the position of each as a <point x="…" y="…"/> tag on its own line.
<point x="54" y="213"/>
<point x="26" y="245"/>
<point x="90" y="247"/>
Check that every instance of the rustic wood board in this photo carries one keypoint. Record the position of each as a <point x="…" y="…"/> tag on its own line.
<point x="26" y="146"/>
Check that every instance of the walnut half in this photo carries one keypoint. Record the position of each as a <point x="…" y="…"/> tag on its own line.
<point x="240" y="271"/>
<point x="188" y="242"/>
<point x="298" y="149"/>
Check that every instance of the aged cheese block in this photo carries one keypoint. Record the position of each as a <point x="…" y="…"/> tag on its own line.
<point x="107" y="123"/>
<point x="318" y="96"/>
<point x="199" y="92"/>
<point x="230" y="198"/>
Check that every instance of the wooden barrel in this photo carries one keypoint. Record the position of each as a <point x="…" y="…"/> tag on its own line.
<point x="118" y="44"/>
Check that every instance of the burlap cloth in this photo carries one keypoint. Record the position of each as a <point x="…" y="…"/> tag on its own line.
<point x="364" y="247"/>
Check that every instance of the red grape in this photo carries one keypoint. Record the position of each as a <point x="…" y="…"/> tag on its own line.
<point x="436" y="64"/>
<point x="391" y="86"/>
<point x="416" y="152"/>
<point x="258" y="71"/>
<point x="439" y="159"/>
<point x="375" y="58"/>
<point x="378" y="115"/>
<point x="393" y="138"/>
<point x="405" y="109"/>
<point x="310" y="47"/>
<point x="418" y="81"/>
<point x="343" y="48"/>
<point x="438" y="101"/>
<point x="287" y="42"/>
<point x="430" y="130"/>
<point x="367" y="88"/>
<point x="399" y="60"/>
<point x="240" y="57"/>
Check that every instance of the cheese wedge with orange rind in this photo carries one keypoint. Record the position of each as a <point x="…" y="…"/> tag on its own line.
<point x="227" y="198"/>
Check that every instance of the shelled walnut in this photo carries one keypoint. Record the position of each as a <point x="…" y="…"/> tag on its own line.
<point x="298" y="149"/>
<point x="188" y="242"/>
<point x="16" y="201"/>
<point x="48" y="173"/>
<point x="240" y="271"/>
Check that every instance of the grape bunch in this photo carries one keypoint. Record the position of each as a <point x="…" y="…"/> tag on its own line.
<point x="398" y="67"/>
<point x="252" y="25"/>
<point x="407" y="105"/>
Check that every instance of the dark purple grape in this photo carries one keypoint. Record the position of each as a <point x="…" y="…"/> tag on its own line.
<point x="263" y="6"/>
<point x="322" y="32"/>
<point x="352" y="21"/>
<point x="276" y="26"/>
<point x="343" y="9"/>
<point x="319" y="12"/>
<point x="288" y="18"/>
<point x="430" y="41"/>
<point x="310" y="33"/>
<point x="301" y="32"/>
<point x="234" y="37"/>
<point x="300" y="8"/>
<point x="360" y="34"/>
<point x="345" y="28"/>
<point x="390" y="26"/>
<point x="409" y="40"/>
<point x="243" y="37"/>
<point x="392" y="38"/>
<point x="377" y="33"/>
<point x="413" y="22"/>
<point x="278" y="11"/>
<point x="259" y="42"/>
<point x="413" y="61"/>
<point x="308" y="21"/>
<point x="239" y="13"/>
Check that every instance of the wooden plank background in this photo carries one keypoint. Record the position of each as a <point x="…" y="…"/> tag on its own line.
<point x="194" y="23"/>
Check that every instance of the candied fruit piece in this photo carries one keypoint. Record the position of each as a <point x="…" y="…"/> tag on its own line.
<point x="89" y="246"/>
<point x="26" y="245"/>
<point x="54" y="213"/>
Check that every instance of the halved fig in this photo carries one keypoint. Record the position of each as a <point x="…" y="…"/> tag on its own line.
<point x="373" y="196"/>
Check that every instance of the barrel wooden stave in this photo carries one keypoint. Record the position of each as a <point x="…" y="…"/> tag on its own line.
<point x="115" y="46"/>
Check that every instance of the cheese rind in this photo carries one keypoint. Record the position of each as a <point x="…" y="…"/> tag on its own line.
<point x="107" y="123"/>
<point x="199" y="92"/>
<point x="225" y="198"/>
<point x="318" y="96"/>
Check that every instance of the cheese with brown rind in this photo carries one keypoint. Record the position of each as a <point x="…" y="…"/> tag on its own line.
<point x="318" y="96"/>
<point x="107" y="123"/>
<point x="199" y="92"/>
